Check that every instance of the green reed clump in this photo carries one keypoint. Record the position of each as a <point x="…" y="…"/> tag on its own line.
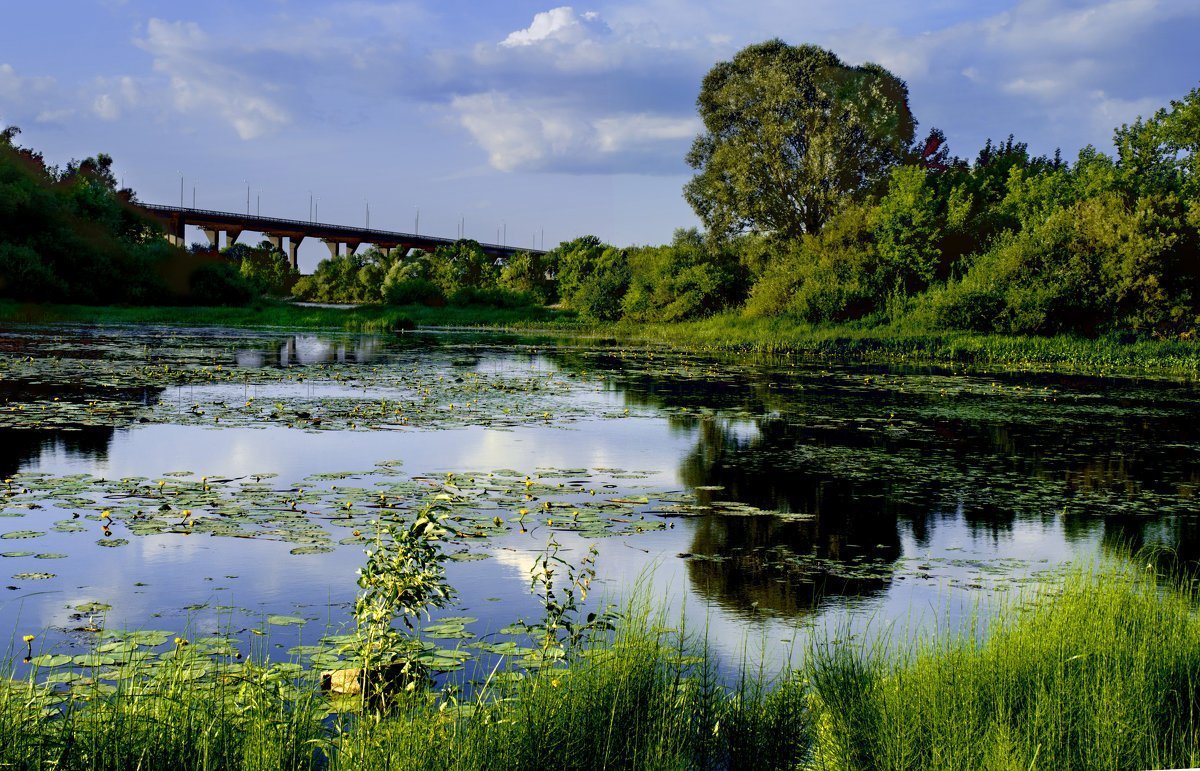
<point x="1100" y="671"/>
<point x="1094" y="670"/>
<point x="639" y="701"/>
<point x="182" y="713"/>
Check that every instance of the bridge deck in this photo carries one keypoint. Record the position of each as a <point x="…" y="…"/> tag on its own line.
<point x="275" y="226"/>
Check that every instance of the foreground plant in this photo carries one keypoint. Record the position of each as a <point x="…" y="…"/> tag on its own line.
<point x="403" y="579"/>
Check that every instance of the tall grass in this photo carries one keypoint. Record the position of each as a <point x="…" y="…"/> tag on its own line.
<point x="730" y="332"/>
<point x="1096" y="670"/>
<point x="1099" y="671"/>
<point x="267" y="313"/>
<point x="858" y="342"/>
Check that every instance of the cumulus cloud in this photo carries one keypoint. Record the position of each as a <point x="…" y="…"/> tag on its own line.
<point x="1064" y="72"/>
<point x="533" y="136"/>
<point x="560" y="25"/>
<point x="202" y="79"/>
<point x="30" y="96"/>
<point x="571" y="93"/>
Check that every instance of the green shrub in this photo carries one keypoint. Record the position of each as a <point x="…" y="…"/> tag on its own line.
<point x="220" y="283"/>
<point x="495" y="297"/>
<point x="690" y="278"/>
<point x="413" y="291"/>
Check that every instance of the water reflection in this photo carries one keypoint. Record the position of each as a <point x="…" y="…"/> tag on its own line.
<point x="866" y="466"/>
<point x="865" y="463"/>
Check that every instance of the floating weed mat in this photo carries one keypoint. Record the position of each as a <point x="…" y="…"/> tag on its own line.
<point x="117" y="382"/>
<point x="327" y="510"/>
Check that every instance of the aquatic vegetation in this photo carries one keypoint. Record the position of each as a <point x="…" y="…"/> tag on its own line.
<point x="1094" y="669"/>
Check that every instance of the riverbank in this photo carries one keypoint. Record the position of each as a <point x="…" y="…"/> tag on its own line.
<point x="364" y="318"/>
<point x="1091" y="670"/>
<point x="726" y="333"/>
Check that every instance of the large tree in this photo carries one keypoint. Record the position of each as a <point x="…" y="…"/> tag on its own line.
<point x="790" y="133"/>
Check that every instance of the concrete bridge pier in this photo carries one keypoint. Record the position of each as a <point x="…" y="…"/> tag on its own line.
<point x="214" y="238"/>
<point x="293" y="246"/>
<point x="294" y="251"/>
<point x="335" y="246"/>
<point x="175" y="231"/>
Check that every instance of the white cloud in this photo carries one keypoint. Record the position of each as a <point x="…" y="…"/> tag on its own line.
<point x="113" y="96"/>
<point x="560" y="25"/>
<point x="202" y="80"/>
<point x="618" y="133"/>
<point x="569" y="92"/>
<point x="60" y="115"/>
<point x="1062" y="71"/>
<point x="15" y="88"/>
<point x="543" y="136"/>
<point x="106" y="107"/>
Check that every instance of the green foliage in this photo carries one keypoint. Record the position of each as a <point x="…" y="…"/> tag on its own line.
<point x="688" y="279"/>
<point x="592" y="278"/>
<point x="403" y="578"/>
<point x="464" y="264"/>
<point x="1008" y="243"/>
<point x="831" y="276"/>
<point x="346" y="278"/>
<point x="907" y="230"/>
<point x="1099" y="263"/>
<point x="564" y="627"/>
<point x="71" y="235"/>
<point x="1097" y="671"/>
<point x="220" y="283"/>
<point x="791" y="133"/>
<point x="494" y="297"/>
<point x="264" y="267"/>
<point x="530" y="274"/>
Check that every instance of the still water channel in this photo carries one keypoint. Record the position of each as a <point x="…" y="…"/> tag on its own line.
<point x="757" y="502"/>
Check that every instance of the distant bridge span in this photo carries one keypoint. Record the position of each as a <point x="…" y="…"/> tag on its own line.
<point x="214" y="223"/>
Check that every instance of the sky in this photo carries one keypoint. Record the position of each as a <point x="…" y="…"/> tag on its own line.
<point x="530" y="122"/>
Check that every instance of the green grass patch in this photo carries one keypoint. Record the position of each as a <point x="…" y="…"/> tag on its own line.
<point x="783" y="336"/>
<point x="1096" y="671"/>
<point x="1092" y="670"/>
<point x="366" y="318"/>
<point x="726" y="333"/>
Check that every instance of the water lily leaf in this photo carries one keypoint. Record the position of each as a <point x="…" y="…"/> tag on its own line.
<point x="286" y="620"/>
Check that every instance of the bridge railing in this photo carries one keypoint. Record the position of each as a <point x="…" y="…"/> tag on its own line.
<point x="251" y="220"/>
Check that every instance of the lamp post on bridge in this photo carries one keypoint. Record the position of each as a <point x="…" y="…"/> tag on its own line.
<point x="181" y="190"/>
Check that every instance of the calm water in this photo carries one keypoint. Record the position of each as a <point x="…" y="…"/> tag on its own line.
<point x="777" y="497"/>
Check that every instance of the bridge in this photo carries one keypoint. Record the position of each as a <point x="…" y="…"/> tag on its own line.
<point x="215" y="223"/>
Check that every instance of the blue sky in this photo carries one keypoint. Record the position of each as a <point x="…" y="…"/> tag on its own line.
<point x="529" y="116"/>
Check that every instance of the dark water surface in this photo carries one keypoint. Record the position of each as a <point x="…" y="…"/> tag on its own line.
<point x="755" y="500"/>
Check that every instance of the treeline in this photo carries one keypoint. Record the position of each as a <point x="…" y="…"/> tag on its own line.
<point x="1007" y="242"/>
<point x="459" y="273"/>
<point x="71" y="235"/>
